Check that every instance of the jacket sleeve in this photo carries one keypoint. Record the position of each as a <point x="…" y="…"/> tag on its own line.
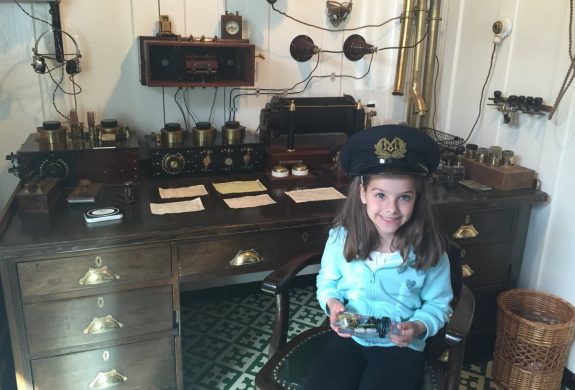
<point x="330" y="270"/>
<point x="436" y="296"/>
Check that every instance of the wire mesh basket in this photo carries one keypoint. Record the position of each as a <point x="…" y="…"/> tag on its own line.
<point x="445" y="140"/>
<point x="534" y="334"/>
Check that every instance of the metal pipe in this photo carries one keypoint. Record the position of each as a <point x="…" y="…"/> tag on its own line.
<point x="431" y="48"/>
<point x="418" y="58"/>
<point x="406" y="22"/>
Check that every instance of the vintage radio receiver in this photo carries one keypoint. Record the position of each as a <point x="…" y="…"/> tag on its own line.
<point x="49" y="153"/>
<point x="308" y="130"/>
<point x="191" y="62"/>
<point x="204" y="151"/>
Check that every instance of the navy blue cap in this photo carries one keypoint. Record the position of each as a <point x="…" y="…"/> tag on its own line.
<point x="389" y="149"/>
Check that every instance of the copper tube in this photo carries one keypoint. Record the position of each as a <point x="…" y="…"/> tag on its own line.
<point x="418" y="58"/>
<point x="431" y="48"/>
<point x="406" y="22"/>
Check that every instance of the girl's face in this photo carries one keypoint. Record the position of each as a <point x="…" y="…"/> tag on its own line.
<point x="389" y="201"/>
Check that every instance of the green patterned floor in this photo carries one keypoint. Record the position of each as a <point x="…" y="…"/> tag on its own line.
<point x="226" y="332"/>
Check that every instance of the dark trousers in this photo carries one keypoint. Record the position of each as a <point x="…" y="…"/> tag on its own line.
<point x="343" y="364"/>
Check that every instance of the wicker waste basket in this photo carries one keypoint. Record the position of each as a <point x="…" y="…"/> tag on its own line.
<point x="534" y="334"/>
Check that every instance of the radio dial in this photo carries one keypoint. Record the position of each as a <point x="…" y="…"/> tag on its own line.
<point x="173" y="163"/>
<point x="54" y="168"/>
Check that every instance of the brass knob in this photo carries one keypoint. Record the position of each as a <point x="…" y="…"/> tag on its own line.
<point x="98" y="276"/>
<point x="108" y="379"/>
<point x="466" y="270"/>
<point x="103" y="325"/>
<point x="246" y="257"/>
<point x="466" y="231"/>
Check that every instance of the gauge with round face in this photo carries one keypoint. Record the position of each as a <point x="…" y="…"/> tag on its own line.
<point x="232" y="27"/>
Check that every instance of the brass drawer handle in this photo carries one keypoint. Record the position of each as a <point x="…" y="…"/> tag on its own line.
<point x="246" y="257"/>
<point x="466" y="270"/>
<point x="98" y="276"/>
<point x="107" y="379"/>
<point x="103" y="325"/>
<point x="466" y="231"/>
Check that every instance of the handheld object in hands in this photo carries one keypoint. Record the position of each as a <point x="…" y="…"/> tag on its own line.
<point x="365" y="326"/>
<point x="103" y="214"/>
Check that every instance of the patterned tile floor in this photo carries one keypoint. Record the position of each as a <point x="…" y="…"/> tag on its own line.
<point x="226" y="332"/>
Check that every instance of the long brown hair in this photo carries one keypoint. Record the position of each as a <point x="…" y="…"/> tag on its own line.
<point x="419" y="232"/>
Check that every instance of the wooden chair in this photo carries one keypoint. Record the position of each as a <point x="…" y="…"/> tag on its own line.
<point x="288" y="363"/>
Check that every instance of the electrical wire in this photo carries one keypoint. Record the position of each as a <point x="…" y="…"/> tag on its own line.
<point x="330" y="29"/>
<point x="180" y="107"/>
<point x="190" y="112"/>
<point x="570" y="72"/>
<point x="33" y="17"/>
<point x="482" y="93"/>
<point x="213" y="104"/>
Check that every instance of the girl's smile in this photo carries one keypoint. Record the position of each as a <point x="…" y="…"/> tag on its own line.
<point x="389" y="201"/>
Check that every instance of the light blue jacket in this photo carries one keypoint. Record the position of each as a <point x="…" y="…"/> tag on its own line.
<point x="397" y="291"/>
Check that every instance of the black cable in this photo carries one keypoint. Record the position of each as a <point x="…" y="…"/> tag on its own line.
<point x="190" y="112"/>
<point x="164" y="104"/>
<point x="54" y="94"/>
<point x="213" y="104"/>
<point x="180" y="107"/>
<point x="482" y="93"/>
<point x="333" y="30"/>
<point x="33" y="17"/>
<point x="434" y="96"/>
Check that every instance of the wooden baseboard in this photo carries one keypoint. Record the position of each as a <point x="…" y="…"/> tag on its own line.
<point x="568" y="379"/>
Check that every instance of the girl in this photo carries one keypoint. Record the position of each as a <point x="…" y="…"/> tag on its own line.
<point x="384" y="257"/>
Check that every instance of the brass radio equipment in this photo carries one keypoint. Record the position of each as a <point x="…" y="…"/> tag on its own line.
<point x="307" y="131"/>
<point x="203" y="151"/>
<point x="105" y="154"/>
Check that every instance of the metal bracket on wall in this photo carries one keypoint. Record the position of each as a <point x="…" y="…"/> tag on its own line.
<point x="512" y="105"/>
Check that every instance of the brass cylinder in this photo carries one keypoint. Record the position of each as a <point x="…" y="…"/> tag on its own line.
<point x="172" y="134"/>
<point x="233" y="133"/>
<point x="430" y="50"/>
<point x="52" y="133"/>
<point x="204" y="134"/>
<point x="420" y="107"/>
<point x="406" y="22"/>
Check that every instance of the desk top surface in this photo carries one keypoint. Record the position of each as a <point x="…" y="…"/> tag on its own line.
<point x="64" y="229"/>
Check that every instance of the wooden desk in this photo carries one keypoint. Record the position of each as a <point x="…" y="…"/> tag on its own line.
<point x="131" y="295"/>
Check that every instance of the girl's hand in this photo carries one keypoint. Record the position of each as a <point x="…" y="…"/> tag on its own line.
<point x="335" y="307"/>
<point x="403" y="333"/>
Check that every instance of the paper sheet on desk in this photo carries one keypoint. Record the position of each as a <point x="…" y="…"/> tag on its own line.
<point x="182" y="192"/>
<point x="249" y="201"/>
<point x="185" y="206"/>
<point x="315" y="194"/>
<point x="234" y="187"/>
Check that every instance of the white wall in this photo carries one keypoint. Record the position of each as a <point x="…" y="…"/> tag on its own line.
<point x="532" y="61"/>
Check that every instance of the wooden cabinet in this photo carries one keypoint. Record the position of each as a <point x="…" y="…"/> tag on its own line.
<point x="491" y="235"/>
<point x="100" y="304"/>
<point x="97" y="318"/>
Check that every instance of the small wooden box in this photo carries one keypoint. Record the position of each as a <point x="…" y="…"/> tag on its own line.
<point x="501" y="178"/>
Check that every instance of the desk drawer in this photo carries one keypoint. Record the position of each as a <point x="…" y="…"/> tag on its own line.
<point x="489" y="264"/>
<point x="116" y="266"/>
<point x="490" y="225"/>
<point x="215" y="254"/>
<point x="60" y="324"/>
<point x="144" y="365"/>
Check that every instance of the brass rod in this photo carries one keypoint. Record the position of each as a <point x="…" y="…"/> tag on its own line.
<point x="406" y="22"/>
<point x="431" y="49"/>
<point x="418" y="58"/>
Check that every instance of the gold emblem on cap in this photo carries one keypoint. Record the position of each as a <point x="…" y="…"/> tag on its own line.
<point x="395" y="148"/>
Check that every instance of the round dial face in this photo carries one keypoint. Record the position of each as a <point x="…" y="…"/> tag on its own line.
<point x="232" y="27"/>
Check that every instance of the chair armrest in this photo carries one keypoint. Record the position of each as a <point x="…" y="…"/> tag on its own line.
<point x="460" y="322"/>
<point x="278" y="281"/>
<point x="278" y="284"/>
